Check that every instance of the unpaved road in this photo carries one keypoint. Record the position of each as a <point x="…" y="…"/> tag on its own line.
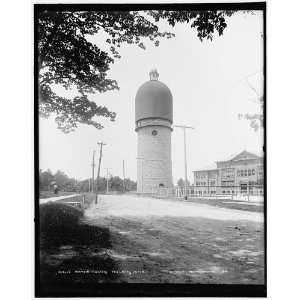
<point x="157" y="241"/>
<point x="132" y="206"/>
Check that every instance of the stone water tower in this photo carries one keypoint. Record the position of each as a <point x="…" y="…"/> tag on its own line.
<point x="153" y="120"/>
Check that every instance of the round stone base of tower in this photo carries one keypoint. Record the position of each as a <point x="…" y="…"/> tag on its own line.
<point x="154" y="168"/>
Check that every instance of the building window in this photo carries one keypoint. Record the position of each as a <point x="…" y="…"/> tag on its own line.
<point x="253" y="171"/>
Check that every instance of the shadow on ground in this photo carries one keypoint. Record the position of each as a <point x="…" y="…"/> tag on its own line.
<point x="72" y="254"/>
<point x="187" y="249"/>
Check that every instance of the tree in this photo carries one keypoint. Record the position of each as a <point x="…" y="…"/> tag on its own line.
<point x="116" y="184"/>
<point x="68" y="59"/>
<point x="45" y="179"/>
<point x="130" y="185"/>
<point x="61" y="179"/>
<point x="84" y="186"/>
<point x="71" y="185"/>
<point x="256" y="120"/>
<point x="206" y="23"/>
<point x="180" y="182"/>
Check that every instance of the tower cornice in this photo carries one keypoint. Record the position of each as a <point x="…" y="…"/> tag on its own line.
<point x="153" y="122"/>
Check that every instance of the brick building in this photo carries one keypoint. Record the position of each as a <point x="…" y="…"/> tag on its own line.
<point x="241" y="173"/>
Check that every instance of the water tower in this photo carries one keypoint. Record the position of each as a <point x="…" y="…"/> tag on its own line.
<point x="153" y="120"/>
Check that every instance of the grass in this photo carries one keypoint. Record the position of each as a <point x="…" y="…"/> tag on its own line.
<point x="224" y="203"/>
<point x="68" y="248"/>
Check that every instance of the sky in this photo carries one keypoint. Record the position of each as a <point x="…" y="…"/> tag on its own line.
<point x="207" y="81"/>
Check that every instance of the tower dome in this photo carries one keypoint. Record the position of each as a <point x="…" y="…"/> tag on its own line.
<point x="154" y="100"/>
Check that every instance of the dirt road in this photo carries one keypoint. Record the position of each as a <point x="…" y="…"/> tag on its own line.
<point x="156" y="241"/>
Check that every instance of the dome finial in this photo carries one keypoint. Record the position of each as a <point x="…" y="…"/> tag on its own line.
<point x="153" y="74"/>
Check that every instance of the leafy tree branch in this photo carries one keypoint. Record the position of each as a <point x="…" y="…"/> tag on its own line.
<point x="67" y="58"/>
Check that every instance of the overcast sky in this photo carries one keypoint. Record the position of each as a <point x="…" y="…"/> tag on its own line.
<point x="207" y="80"/>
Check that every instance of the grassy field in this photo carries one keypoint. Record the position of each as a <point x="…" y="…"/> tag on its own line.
<point x="241" y="205"/>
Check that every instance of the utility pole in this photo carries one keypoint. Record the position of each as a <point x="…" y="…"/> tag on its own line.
<point x="100" y="144"/>
<point x="107" y="179"/>
<point x="93" y="171"/>
<point x="124" y="187"/>
<point x="185" y="161"/>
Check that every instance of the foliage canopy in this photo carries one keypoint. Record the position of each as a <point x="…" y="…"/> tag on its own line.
<point x="67" y="58"/>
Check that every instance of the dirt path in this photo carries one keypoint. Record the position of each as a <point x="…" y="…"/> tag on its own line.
<point x="132" y="206"/>
<point x="166" y="241"/>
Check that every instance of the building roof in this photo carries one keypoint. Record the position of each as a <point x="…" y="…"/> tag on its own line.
<point x="244" y="155"/>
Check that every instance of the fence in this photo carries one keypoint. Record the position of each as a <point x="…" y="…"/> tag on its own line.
<point x="75" y="200"/>
<point x="238" y="193"/>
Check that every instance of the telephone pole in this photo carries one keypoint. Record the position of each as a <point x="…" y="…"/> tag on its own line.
<point x="100" y="144"/>
<point x="93" y="171"/>
<point x="107" y="179"/>
<point x="124" y="187"/>
<point x="185" y="161"/>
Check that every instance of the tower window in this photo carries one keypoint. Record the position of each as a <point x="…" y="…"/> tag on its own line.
<point x="154" y="132"/>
